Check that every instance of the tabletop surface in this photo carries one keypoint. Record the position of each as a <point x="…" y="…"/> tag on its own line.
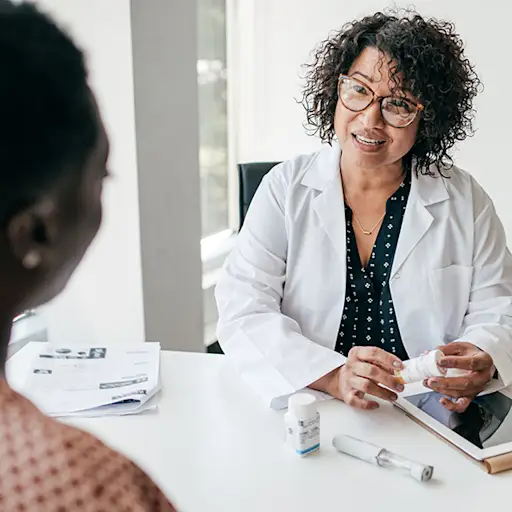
<point x="213" y="445"/>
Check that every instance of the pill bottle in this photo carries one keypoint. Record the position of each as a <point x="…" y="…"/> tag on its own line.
<point x="421" y="368"/>
<point x="302" y="424"/>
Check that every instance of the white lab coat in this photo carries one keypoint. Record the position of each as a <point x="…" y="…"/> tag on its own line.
<point x="281" y="294"/>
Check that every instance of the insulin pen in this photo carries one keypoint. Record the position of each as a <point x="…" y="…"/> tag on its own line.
<point x="382" y="457"/>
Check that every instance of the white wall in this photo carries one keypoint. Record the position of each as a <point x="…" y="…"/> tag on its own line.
<point x="104" y="301"/>
<point x="278" y="37"/>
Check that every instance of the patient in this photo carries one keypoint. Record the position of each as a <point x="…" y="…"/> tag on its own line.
<point x="53" y="160"/>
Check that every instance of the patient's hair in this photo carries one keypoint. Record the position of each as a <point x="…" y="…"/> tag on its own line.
<point x="48" y="123"/>
<point x="427" y="53"/>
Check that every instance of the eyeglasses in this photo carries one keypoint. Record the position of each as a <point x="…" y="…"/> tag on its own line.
<point x="396" y="111"/>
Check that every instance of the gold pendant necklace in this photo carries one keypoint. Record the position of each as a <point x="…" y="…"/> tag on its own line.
<point x="368" y="232"/>
<point x="365" y="231"/>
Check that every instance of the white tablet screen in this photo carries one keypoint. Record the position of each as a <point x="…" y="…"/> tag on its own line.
<point x="487" y="422"/>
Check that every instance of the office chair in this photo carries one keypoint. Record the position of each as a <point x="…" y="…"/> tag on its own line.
<point x="249" y="179"/>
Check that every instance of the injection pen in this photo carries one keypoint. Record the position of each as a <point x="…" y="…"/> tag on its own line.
<point x="382" y="457"/>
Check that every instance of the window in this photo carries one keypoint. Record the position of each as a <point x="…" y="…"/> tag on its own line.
<point x="213" y="116"/>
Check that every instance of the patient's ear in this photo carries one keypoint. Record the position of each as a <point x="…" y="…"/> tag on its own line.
<point x="32" y="235"/>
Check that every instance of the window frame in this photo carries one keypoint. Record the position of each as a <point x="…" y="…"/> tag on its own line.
<point x="215" y="247"/>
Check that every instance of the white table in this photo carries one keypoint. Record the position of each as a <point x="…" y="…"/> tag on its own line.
<point x="213" y="446"/>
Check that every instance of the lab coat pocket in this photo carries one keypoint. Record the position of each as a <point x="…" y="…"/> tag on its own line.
<point x="451" y="288"/>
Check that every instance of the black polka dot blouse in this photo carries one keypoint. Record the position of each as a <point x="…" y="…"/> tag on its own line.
<point x="369" y="316"/>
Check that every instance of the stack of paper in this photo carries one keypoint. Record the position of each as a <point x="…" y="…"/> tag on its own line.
<point x="93" y="380"/>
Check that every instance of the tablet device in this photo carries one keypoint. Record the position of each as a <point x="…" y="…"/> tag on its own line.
<point x="483" y="431"/>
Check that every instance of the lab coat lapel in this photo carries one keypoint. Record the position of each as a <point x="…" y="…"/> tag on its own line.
<point x="330" y="210"/>
<point x="323" y="175"/>
<point x="425" y="191"/>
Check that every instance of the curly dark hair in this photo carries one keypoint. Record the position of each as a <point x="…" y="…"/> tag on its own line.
<point x="426" y="58"/>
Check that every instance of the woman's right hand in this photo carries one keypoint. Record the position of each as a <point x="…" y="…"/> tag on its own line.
<point x="365" y="371"/>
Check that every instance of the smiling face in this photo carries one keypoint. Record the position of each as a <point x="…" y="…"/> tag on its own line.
<point x="367" y="141"/>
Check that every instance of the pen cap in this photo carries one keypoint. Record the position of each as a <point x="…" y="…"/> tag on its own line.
<point x="357" y="448"/>
<point x="302" y="405"/>
<point x="421" y="472"/>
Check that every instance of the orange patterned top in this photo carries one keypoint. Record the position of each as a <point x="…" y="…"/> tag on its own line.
<point x="46" y="466"/>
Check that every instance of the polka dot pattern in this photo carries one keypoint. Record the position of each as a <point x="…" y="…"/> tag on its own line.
<point x="46" y="466"/>
<point x="369" y="316"/>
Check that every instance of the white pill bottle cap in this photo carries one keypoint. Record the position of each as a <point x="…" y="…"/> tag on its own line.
<point x="302" y="405"/>
<point x="422" y="367"/>
<point x="432" y="362"/>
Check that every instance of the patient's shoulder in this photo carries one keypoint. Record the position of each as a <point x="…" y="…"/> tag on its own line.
<point x="47" y="465"/>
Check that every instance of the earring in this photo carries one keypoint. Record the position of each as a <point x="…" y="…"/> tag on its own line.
<point x="31" y="260"/>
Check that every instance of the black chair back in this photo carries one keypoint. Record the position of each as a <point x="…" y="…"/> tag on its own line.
<point x="249" y="179"/>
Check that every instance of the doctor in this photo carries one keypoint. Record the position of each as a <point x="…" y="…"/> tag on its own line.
<point x="376" y="248"/>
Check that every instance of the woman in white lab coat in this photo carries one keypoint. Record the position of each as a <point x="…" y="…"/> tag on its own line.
<point x="376" y="248"/>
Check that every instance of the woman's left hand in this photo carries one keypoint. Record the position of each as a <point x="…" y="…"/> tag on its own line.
<point x="479" y="369"/>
